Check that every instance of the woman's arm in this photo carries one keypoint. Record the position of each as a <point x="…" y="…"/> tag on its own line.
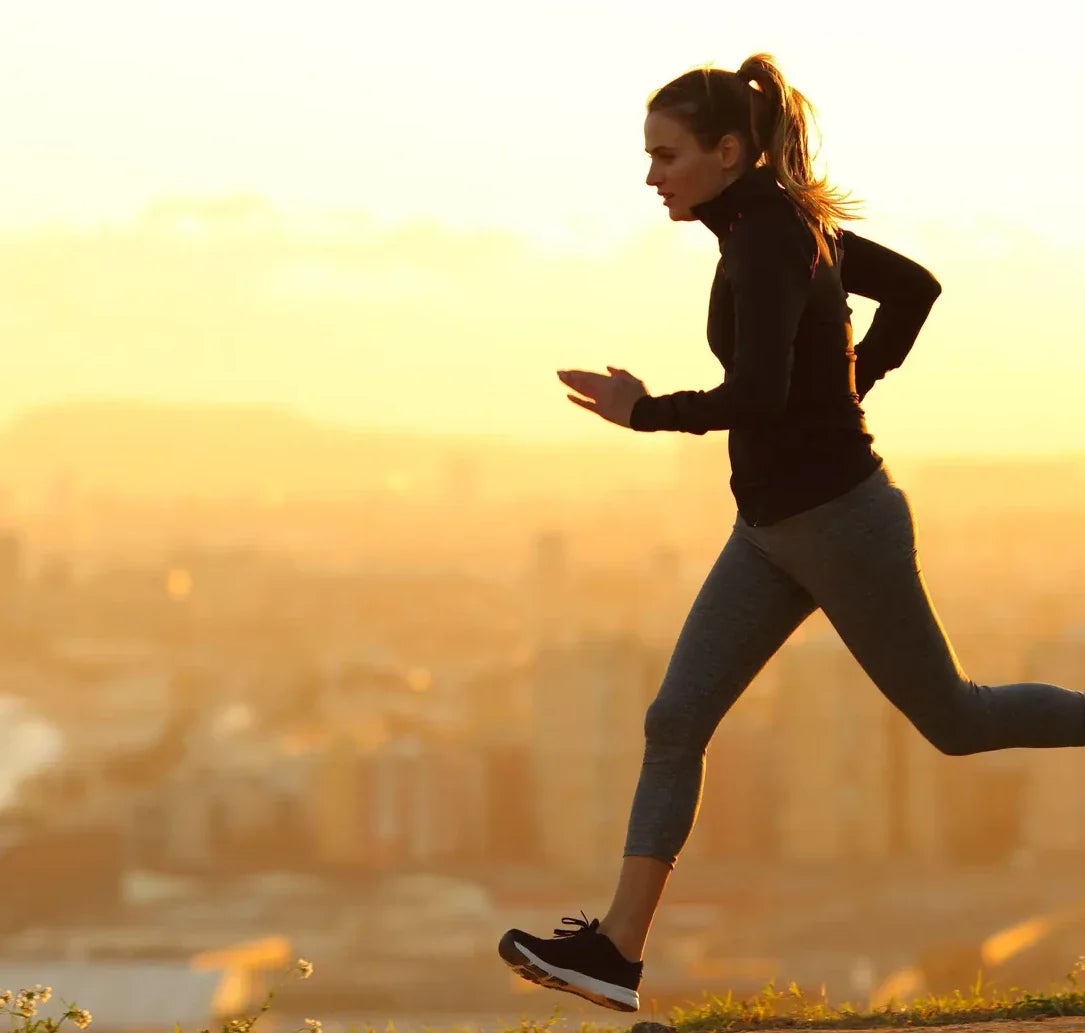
<point x="904" y="291"/>
<point x="768" y="267"/>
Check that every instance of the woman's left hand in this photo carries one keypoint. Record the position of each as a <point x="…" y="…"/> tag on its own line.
<point x="611" y="397"/>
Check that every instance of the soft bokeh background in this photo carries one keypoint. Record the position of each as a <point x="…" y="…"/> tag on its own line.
<point x="406" y="215"/>
<point x="319" y="602"/>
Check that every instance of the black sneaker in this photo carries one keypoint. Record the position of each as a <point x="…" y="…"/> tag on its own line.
<point x="584" y="962"/>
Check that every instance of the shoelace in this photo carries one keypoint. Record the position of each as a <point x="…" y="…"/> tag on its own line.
<point x="582" y="926"/>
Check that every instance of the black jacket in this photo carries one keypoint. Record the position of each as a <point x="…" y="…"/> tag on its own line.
<point x="780" y="325"/>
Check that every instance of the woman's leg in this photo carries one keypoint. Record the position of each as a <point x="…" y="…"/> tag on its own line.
<point x="857" y="557"/>
<point x="745" y="610"/>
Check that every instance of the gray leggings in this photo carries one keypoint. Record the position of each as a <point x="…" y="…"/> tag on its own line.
<point x="854" y="558"/>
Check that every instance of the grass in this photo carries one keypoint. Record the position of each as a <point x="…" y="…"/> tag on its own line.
<point x="791" y="1009"/>
<point x="770" y="1009"/>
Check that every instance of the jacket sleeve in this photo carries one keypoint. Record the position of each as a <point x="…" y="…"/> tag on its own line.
<point x="767" y="263"/>
<point x="905" y="293"/>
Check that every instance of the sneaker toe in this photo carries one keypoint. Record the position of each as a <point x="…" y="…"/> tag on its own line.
<point x="508" y="949"/>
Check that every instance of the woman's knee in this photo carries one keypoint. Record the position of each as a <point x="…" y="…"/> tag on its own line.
<point x="960" y="728"/>
<point x="667" y="723"/>
<point x="957" y="740"/>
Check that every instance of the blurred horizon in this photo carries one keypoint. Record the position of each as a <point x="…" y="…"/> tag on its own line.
<point x="262" y="225"/>
<point x="420" y="326"/>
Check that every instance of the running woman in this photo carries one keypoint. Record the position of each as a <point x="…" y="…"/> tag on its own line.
<point x="820" y="521"/>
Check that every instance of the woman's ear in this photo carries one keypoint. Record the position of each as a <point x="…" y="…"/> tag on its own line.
<point x="730" y="153"/>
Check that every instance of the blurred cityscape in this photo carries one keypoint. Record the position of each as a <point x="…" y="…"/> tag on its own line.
<point x="376" y="720"/>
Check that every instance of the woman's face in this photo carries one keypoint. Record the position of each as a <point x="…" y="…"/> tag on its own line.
<point x="683" y="173"/>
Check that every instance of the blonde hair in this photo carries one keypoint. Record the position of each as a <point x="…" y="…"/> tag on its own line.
<point x="773" y="119"/>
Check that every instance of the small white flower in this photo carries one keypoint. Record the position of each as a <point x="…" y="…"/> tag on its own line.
<point x="315" y="1025"/>
<point x="305" y="968"/>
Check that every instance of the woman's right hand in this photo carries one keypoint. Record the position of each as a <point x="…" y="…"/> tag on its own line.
<point x="610" y="396"/>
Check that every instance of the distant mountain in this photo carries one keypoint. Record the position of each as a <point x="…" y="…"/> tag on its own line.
<point x="157" y="450"/>
<point x="171" y="450"/>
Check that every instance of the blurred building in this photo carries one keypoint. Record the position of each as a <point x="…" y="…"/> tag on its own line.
<point x="737" y="819"/>
<point x="863" y="783"/>
<point x="11" y="564"/>
<point x="589" y="700"/>
<point x="1054" y="825"/>
<point x="547" y="587"/>
<point x="832" y="726"/>
<point x="408" y="802"/>
<point x="242" y="810"/>
<point x="70" y="871"/>
<point x="498" y="706"/>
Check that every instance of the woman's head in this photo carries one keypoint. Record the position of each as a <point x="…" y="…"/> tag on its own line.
<point x="707" y="127"/>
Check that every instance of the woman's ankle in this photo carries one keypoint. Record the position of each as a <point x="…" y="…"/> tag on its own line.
<point x="629" y="947"/>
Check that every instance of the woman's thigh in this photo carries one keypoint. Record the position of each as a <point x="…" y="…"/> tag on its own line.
<point x="858" y="558"/>
<point x="745" y="610"/>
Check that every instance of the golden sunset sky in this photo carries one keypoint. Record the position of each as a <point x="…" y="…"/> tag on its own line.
<point x="408" y="215"/>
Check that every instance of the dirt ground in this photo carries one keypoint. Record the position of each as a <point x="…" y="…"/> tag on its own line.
<point x="1063" y="1024"/>
<point x="1059" y="1024"/>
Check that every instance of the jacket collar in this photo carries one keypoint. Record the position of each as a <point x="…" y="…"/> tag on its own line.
<point x="753" y="186"/>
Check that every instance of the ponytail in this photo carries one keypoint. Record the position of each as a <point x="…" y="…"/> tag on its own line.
<point x="780" y="120"/>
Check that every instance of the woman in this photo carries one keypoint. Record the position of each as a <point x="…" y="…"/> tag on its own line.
<point x="820" y="523"/>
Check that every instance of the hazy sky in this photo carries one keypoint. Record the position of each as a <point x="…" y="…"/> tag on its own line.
<point x="411" y="214"/>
